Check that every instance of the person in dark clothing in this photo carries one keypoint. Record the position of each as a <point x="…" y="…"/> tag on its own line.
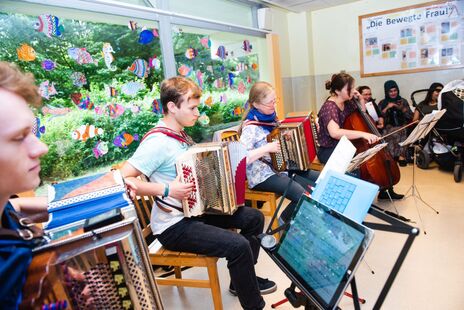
<point x="430" y="102"/>
<point x="20" y="166"/>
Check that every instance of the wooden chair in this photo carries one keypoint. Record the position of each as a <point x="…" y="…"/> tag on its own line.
<point x="160" y="256"/>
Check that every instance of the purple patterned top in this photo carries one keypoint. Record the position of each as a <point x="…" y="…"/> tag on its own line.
<point x="330" y="111"/>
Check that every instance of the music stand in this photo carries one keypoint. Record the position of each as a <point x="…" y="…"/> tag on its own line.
<point x="361" y="158"/>
<point x="421" y="131"/>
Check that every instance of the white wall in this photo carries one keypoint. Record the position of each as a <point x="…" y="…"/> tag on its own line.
<point x="335" y="44"/>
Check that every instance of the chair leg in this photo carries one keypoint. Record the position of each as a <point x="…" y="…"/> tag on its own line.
<point x="254" y="204"/>
<point x="214" y="282"/>
<point x="178" y="272"/>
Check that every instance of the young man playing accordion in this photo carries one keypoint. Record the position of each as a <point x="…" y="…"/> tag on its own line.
<point x="207" y="234"/>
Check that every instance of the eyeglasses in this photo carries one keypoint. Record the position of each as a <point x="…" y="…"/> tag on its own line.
<point x="271" y="103"/>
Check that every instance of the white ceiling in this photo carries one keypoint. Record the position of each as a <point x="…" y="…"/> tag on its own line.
<point x="305" y="5"/>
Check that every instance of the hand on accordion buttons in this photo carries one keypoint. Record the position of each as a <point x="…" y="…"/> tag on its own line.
<point x="273" y="147"/>
<point x="180" y="190"/>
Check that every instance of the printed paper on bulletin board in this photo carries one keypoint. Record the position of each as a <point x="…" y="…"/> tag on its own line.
<point x="417" y="38"/>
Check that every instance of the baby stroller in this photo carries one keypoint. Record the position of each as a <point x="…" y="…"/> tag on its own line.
<point x="444" y="144"/>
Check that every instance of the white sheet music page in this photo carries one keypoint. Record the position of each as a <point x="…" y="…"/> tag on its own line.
<point x="359" y="159"/>
<point x="371" y="110"/>
<point x="423" y="127"/>
<point x="340" y="158"/>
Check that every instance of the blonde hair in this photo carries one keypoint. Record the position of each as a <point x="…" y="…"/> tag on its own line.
<point x="258" y="92"/>
<point x="22" y="84"/>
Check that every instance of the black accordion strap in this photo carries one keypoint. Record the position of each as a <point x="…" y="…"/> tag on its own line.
<point x="157" y="199"/>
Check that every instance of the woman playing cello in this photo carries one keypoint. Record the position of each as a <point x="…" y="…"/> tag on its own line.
<point x="333" y="114"/>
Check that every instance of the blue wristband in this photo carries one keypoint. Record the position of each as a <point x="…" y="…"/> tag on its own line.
<point x="166" y="190"/>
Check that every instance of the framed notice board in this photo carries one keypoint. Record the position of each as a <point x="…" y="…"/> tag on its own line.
<point x="424" y="37"/>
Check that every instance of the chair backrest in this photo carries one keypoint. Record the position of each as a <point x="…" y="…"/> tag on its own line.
<point x="143" y="206"/>
<point x="229" y="135"/>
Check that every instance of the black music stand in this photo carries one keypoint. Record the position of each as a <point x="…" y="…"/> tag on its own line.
<point x="420" y="132"/>
<point x="393" y="225"/>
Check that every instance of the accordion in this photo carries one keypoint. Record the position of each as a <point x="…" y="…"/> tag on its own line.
<point x="218" y="171"/>
<point x="72" y="202"/>
<point x="297" y="137"/>
<point x="107" y="268"/>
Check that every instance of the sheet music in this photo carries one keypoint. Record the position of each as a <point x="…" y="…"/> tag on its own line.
<point x="359" y="159"/>
<point x="423" y="127"/>
<point x="340" y="158"/>
<point x="371" y="110"/>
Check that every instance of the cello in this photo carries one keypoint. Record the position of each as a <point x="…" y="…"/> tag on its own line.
<point x="381" y="169"/>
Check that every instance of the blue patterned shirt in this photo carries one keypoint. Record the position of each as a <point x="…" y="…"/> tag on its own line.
<point x="253" y="137"/>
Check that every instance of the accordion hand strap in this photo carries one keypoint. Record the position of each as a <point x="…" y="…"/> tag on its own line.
<point x="25" y="230"/>
<point x="179" y="136"/>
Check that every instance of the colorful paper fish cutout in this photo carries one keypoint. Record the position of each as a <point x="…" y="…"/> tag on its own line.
<point x="240" y="67"/>
<point x="46" y="90"/>
<point x="254" y="66"/>
<point x="107" y="51"/>
<point x="125" y="139"/>
<point x="113" y="110"/>
<point x="223" y="98"/>
<point x="26" y="53"/>
<point x="37" y="130"/>
<point x="209" y="101"/>
<point x="246" y="106"/>
<point x="78" y="79"/>
<point x="132" y="25"/>
<point x="85" y="132"/>
<point x="132" y="88"/>
<point x="184" y="70"/>
<point x="221" y="52"/>
<point x="49" y="25"/>
<point x="147" y="36"/>
<point x="81" y="56"/>
<point x="48" y="65"/>
<point x="191" y="53"/>
<point x="219" y="83"/>
<point x="238" y="110"/>
<point x="140" y="68"/>
<point x="56" y="111"/>
<point x="111" y="91"/>
<point x="134" y="108"/>
<point x="247" y="46"/>
<point x="203" y="119"/>
<point x="100" y="149"/>
<point x="156" y="106"/>
<point x="199" y="76"/>
<point x="241" y="87"/>
<point x="82" y="103"/>
<point x="231" y="78"/>
<point x="154" y="62"/>
<point x="248" y="79"/>
<point x="205" y="42"/>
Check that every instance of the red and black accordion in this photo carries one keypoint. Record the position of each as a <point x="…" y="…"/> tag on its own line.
<point x="297" y="137"/>
<point x="218" y="171"/>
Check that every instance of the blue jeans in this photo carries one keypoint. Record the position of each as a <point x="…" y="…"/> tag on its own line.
<point x="278" y="183"/>
<point x="209" y="235"/>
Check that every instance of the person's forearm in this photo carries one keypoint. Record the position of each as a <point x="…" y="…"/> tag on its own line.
<point x="36" y="206"/>
<point x="256" y="154"/>
<point x="350" y="134"/>
<point x="147" y="188"/>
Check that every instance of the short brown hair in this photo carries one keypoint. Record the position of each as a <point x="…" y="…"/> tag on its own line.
<point x="22" y="84"/>
<point x="174" y="88"/>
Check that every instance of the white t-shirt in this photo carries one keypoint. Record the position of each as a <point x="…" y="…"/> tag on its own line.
<point x="156" y="158"/>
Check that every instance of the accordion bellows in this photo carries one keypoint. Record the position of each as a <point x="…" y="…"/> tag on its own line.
<point x="297" y="142"/>
<point x="107" y="268"/>
<point x="218" y="171"/>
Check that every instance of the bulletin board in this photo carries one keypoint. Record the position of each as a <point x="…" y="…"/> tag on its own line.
<point x="424" y="37"/>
